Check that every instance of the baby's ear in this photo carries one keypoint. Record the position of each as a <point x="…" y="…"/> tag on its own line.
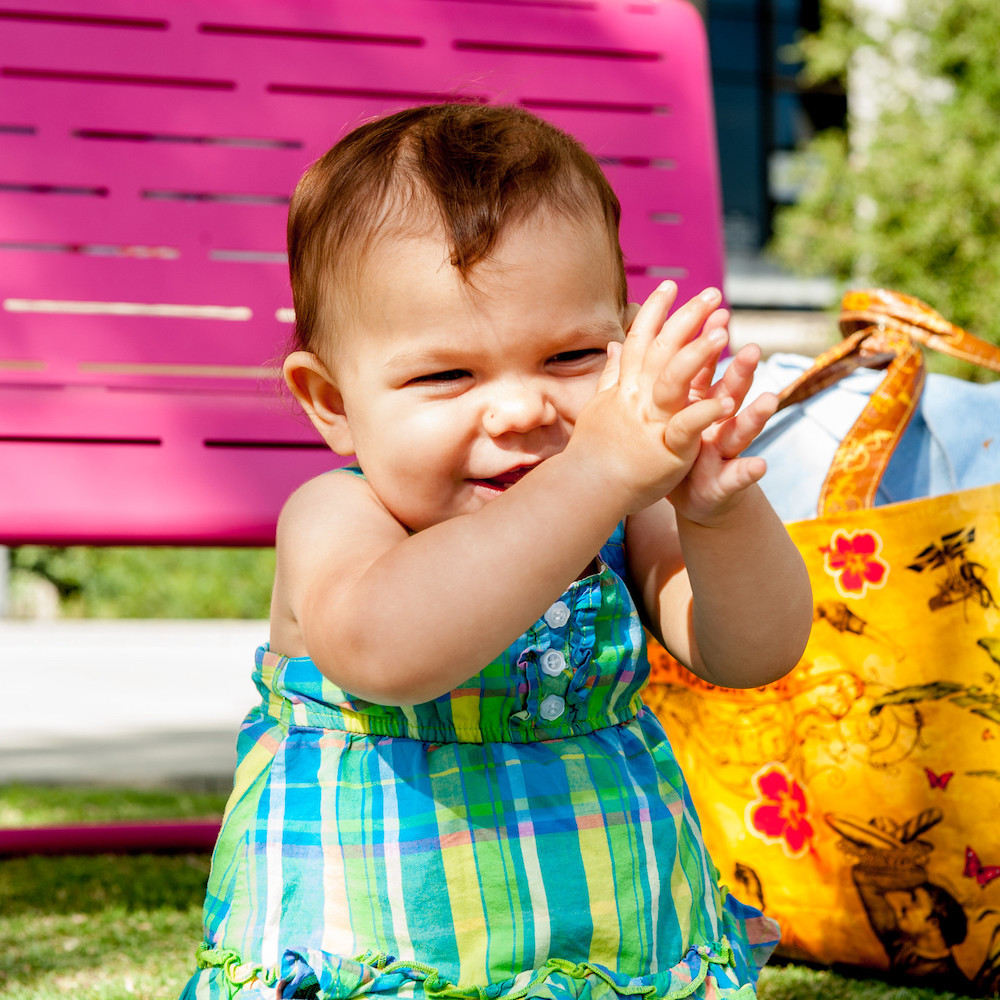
<point x="631" y="311"/>
<point x="313" y="386"/>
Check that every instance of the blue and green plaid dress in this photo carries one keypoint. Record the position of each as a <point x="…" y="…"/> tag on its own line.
<point x="529" y="834"/>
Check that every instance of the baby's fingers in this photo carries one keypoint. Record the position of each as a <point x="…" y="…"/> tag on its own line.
<point x="683" y="327"/>
<point x="682" y="434"/>
<point x="737" y="379"/>
<point x="718" y="320"/>
<point x="645" y="326"/>
<point x="739" y="474"/>
<point x="701" y="384"/>
<point x="735" y="435"/>
<point x="688" y="370"/>
<point x="612" y="367"/>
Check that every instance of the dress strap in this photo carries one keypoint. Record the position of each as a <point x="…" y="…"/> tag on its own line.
<point x="613" y="551"/>
<point x="353" y="470"/>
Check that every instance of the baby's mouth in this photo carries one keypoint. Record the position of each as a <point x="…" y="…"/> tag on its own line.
<point x="507" y="479"/>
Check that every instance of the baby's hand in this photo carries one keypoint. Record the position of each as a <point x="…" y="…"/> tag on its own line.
<point x="652" y="407"/>
<point x="718" y="476"/>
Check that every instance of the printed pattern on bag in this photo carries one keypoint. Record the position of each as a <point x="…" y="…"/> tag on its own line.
<point x="858" y="799"/>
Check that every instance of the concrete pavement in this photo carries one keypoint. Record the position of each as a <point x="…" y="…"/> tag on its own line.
<point x="124" y="701"/>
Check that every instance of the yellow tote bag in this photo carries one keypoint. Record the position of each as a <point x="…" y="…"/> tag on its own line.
<point x="857" y="800"/>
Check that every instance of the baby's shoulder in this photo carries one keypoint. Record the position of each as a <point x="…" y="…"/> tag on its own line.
<point x="331" y="499"/>
<point x="324" y="537"/>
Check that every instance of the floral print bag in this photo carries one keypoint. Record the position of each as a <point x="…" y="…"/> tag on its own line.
<point x="857" y="800"/>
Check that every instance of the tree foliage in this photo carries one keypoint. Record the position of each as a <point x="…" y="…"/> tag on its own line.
<point x="139" y="582"/>
<point x="910" y="199"/>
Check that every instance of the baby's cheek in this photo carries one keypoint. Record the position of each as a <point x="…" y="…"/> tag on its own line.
<point x="585" y="392"/>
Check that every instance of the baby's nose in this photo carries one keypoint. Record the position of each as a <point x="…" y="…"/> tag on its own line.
<point x="517" y="407"/>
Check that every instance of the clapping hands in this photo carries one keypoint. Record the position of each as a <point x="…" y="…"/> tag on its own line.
<point x="676" y="429"/>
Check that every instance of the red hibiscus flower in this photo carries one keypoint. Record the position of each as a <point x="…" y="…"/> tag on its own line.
<point x="853" y="560"/>
<point x="778" y="814"/>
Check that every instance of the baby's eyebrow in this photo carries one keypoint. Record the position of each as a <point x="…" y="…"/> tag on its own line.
<point x="446" y="356"/>
<point x="424" y="357"/>
<point x="602" y="331"/>
<point x="607" y="330"/>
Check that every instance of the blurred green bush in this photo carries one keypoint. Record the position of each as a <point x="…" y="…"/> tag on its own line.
<point x="142" y="582"/>
<point x="910" y="198"/>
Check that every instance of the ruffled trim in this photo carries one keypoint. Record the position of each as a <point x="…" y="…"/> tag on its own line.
<point x="706" y="971"/>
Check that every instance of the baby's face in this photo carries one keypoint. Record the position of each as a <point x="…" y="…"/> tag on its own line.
<point x="453" y="391"/>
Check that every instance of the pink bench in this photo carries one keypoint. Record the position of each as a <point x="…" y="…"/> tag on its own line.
<point x="147" y="151"/>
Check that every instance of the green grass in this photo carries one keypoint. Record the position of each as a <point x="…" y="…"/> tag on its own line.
<point x="125" y="927"/>
<point x="49" y="805"/>
<point x="102" y="927"/>
<point x="797" y="982"/>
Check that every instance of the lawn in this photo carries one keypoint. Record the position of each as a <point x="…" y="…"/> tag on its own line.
<point x="102" y="927"/>
<point x="122" y="927"/>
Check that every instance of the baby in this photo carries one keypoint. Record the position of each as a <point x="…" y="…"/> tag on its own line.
<point x="451" y="787"/>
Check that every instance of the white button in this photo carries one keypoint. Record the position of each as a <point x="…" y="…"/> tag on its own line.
<point x="551" y="707"/>
<point x="557" y="615"/>
<point x="553" y="662"/>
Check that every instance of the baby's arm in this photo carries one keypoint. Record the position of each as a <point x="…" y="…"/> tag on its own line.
<point x="722" y="583"/>
<point x="399" y="618"/>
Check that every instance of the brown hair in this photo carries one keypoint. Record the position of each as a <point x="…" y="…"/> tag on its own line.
<point x="482" y="169"/>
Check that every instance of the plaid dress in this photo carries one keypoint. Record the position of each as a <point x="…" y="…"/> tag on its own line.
<point x="529" y="834"/>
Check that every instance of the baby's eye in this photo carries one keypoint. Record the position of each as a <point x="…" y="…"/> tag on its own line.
<point x="452" y="375"/>
<point x="575" y="357"/>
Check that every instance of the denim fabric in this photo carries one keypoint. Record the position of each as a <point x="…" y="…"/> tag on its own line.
<point x="952" y="443"/>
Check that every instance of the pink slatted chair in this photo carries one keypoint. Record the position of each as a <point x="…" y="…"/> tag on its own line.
<point x="147" y="151"/>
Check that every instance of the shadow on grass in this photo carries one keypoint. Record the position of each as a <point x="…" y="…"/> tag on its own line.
<point x="781" y="981"/>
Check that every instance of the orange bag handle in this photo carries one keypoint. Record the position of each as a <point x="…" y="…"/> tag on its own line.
<point x="881" y="329"/>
